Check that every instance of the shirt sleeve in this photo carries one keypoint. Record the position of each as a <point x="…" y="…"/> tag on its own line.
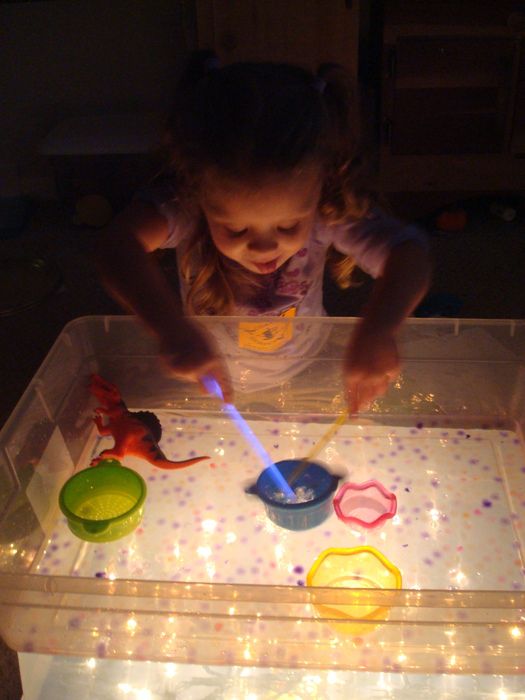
<point x="369" y="240"/>
<point x="162" y="196"/>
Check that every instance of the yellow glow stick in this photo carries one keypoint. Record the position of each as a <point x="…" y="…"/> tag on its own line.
<point x="320" y="444"/>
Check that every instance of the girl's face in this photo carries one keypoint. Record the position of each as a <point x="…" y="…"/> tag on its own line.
<point x="260" y="226"/>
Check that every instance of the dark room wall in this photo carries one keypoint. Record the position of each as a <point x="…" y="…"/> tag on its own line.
<point x="66" y="58"/>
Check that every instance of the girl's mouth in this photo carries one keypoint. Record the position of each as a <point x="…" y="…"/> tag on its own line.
<point x="267" y="267"/>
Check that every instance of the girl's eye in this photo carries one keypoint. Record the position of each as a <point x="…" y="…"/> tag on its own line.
<point x="288" y="229"/>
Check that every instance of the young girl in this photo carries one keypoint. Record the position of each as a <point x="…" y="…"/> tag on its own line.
<point x="260" y="190"/>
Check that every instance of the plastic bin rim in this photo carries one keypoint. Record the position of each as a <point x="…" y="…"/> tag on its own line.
<point x="244" y="592"/>
<point x="344" y="320"/>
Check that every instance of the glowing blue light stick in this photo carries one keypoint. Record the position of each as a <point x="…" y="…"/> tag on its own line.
<point x="212" y="386"/>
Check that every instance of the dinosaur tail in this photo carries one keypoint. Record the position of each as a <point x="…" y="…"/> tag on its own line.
<point x="161" y="462"/>
<point x="169" y="464"/>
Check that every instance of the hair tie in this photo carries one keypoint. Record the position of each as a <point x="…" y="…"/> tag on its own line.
<point x="320" y="85"/>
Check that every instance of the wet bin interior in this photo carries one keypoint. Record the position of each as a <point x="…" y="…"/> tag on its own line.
<point x="207" y="577"/>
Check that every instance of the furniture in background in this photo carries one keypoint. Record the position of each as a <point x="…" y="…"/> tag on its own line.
<point x="306" y="32"/>
<point x="452" y="98"/>
<point x="105" y="156"/>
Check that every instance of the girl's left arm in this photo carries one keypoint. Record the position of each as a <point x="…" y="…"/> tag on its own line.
<point x="372" y="361"/>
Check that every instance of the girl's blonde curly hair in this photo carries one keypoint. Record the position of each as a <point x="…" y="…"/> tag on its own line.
<point x="261" y="118"/>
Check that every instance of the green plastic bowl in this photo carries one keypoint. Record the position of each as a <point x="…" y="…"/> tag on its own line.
<point x="103" y="503"/>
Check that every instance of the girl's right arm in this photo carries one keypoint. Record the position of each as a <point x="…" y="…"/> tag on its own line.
<point x="131" y="276"/>
<point x="137" y="282"/>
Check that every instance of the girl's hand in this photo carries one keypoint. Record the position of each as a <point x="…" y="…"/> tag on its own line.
<point x="189" y="352"/>
<point x="370" y="364"/>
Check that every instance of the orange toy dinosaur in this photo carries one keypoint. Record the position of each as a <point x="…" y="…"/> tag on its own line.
<point x="135" y="433"/>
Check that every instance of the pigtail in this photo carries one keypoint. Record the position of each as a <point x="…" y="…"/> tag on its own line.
<point x="169" y="170"/>
<point x="199" y="65"/>
<point x="343" y="106"/>
<point x="209" y="289"/>
<point x="347" y="193"/>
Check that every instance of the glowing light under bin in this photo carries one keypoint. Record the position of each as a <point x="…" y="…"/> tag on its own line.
<point x="451" y="427"/>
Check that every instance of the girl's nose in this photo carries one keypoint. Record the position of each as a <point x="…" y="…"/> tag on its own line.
<point x="262" y="243"/>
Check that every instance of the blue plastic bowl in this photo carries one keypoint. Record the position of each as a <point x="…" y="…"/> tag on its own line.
<point x="297" y="516"/>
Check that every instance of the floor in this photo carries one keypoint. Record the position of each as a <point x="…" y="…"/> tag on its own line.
<point x="478" y="273"/>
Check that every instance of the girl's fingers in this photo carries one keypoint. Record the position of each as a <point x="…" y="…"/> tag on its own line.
<point x="193" y="354"/>
<point x="361" y="393"/>
<point x="221" y="374"/>
<point x="354" y="399"/>
<point x="227" y="389"/>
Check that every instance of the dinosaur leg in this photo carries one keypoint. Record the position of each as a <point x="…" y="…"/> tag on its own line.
<point x="102" y="429"/>
<point x="110" y="453"/>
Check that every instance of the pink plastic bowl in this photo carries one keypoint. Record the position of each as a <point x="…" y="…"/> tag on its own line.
<point x="368" y="504"/>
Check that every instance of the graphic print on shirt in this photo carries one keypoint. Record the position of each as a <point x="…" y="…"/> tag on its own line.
<point x="280" y="290"/>
<point x="266" y="336"/>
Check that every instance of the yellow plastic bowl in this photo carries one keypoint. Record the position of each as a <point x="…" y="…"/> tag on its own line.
<point x="103" y="503"/>
<point x="356" y="567"/>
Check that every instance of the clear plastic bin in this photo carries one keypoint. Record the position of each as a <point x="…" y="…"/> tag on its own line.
<point x="208" y="578"/>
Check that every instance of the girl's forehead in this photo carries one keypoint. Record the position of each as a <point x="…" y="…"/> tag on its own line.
<point x="288" y="195"/>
